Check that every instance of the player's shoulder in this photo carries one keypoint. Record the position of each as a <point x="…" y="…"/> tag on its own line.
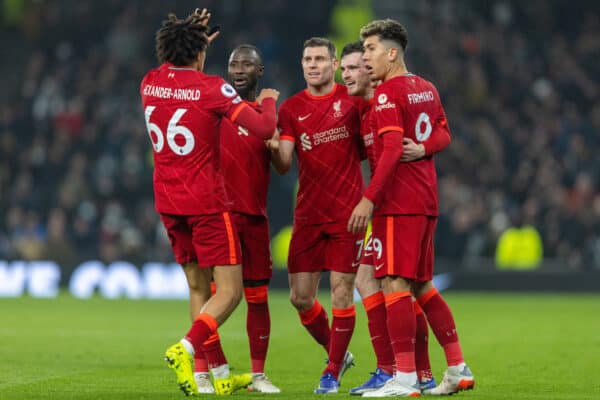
<point x="152" y="74"/>
<point x="293" y="102"/>
<point x="214" y="82"/>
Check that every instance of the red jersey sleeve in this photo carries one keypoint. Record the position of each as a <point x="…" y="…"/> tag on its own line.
<point x="440" y="136"/>
<point x="286" y="127"/>
<point x="387" y="111"/>
<point x="261" y="124"/>
<point x="224" y="100"/>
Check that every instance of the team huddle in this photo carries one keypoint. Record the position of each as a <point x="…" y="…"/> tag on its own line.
<point x="214" y="142"/>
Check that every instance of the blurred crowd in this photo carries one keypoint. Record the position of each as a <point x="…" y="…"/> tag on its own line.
<point x="519" y="80"/>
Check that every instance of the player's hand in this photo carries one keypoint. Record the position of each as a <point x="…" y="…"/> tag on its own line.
<point x="411" y="151"/>
<point x="360" y="216"/>
<point x="202" y="18"/>
<point x="267" y="93"/>
<point x="273" y="143"/>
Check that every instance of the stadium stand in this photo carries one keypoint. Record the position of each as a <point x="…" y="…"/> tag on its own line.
<point x="520" y="85"/>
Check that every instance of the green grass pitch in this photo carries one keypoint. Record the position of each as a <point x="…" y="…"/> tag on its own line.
<point x="519" y="346"/>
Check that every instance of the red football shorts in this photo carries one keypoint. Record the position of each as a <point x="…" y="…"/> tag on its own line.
<point x="253" y="231"/>
<point x="207" y="239"/>
<point x="367" y="257"/>
<point x="406" y="243"/>
<point x="327" y="246"/>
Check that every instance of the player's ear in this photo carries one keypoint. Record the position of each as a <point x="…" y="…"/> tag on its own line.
<point x="393" y="53"/>
<point x="336" y="63"/>
<point x="261" y="70"/>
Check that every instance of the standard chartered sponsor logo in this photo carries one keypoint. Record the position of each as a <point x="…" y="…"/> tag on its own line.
<point x="330" y="135"/>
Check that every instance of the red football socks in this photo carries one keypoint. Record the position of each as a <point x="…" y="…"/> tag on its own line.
<point x="203" y="327"/>
<point x="422" y="345"/>
<point x="342" y="328"/>
<point x="258" y="325"/>
<point x="442" y="324"/>
<point x="376" y="315"/>
<point x="316" y="322"/>
<point x="401" y="324"/>
<point x="200" y="363"/>
<point x="214" y="352"/>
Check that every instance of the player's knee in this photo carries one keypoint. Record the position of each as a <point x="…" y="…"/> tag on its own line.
<point x="342" y="298"/>
<point x="362" y="286"/>
<point x="301" y="302"/>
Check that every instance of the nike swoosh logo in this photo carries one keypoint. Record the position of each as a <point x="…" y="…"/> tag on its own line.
<point x="355" y="264"/>
<point x="342" y="330"/>
<point x="303" y="117"/>
<point x="378" y="267"/>
<point x="263" y="337"/>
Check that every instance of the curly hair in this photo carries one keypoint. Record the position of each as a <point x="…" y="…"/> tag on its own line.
<point x="179" y="41"/>
<point x="386" y="29"/>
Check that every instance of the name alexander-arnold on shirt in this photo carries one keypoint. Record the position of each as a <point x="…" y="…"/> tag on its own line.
<point x="169" y="93"/>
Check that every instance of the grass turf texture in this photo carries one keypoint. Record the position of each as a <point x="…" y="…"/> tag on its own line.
<point x="518" y="346"/>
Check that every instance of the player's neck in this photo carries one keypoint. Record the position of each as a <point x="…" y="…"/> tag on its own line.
<point x="250" y="95"/>
<point x="321" y="90"/>
<point x="395" y="70"/>
<point x="369" y="94"/>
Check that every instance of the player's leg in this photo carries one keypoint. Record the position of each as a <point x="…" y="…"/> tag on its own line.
<point x="397" y="264"/>
<point x="373" y="301"/>
<point x="343" y="251"/>
<point x="303" y="296"/>
<point x="228" y="281"/>
<point x="458" y="376"/>
<point x="257" y="272"/>
<point x="215" y="243"/>
<point x="199" y="295"/>
<point x="426" y="379"/>
<point x="305" y="262"/>
<point x="342" y="327"/>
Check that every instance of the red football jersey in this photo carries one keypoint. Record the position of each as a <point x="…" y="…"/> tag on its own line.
<point x="326" y="130"/>
<point x="245" y="166"/>
<point x="183" y="110"/>
<point x="411" y="105"/>
<point x="367" y="131"/>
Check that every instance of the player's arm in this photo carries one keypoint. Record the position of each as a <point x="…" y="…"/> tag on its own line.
<point x="282" y="153"/>
<point x="390" y="129"/>
<point x="386" y="166"/>
<point x="283" y="143"/>
<point x="436" y="142"/>
<point x="261" y="124"/>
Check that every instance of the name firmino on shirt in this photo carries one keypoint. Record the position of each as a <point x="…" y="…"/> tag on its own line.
<point x="414" y="98"/>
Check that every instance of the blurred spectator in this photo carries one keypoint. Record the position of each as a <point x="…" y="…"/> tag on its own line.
<point x="519" y="247"/>
<point x="519" y="81"/>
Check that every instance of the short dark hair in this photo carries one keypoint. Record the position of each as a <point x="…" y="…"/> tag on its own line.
<point x="249" y="47"/>
<point x="321" y="42"/>
<point x="179" y="41"/>
<point x="386" y="29"/>
<point x="354" y="47"/>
